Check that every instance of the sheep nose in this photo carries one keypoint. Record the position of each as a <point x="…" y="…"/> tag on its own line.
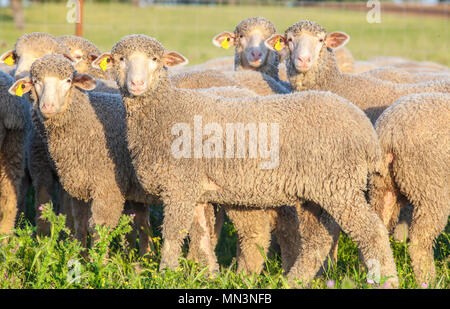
<point x="137" y="83"/>
<point x="256" y="54"/>
<point x="304" y="59"/>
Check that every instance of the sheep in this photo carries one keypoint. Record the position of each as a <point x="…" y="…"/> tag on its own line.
<point x="400" y="62"/>
<point x="311" y="64"/>
<point x="414" y="135"/>
<point x="218" y="64"/>
<point x="84" y="52"/>
<point x="402" y="76"/>
<point x="327" y="146"/>
<point x="251" y="52"/>
<point x="86" y="140"/>
<point x="12" y="154"/>
<point x="8" y="69"/>
<point x="39" y="166"/>
<point x="260" y="75"/>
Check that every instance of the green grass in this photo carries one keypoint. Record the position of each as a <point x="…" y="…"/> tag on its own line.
<point x="189" y="29"/>
<point x="58" y="261"/>
<point x="29" y="261"/>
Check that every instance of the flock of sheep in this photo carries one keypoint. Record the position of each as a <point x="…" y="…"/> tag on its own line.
<point x="363" y="146"/>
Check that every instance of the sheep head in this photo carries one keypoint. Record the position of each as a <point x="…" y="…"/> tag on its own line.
<point x="248" y="39"/>
<point x="305" y="41"/>
<point x="51" y="79"/>
<point x="137" y="62"/>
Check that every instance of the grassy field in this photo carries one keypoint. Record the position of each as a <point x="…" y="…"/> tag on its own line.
<point x="28" y="261"/>
<point x="189" y="29"/>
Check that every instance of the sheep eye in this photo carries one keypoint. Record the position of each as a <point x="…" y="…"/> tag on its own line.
<point x="121" y="59"/>
<point x="154" y="58"/>
<point x="69" y="80"/>
<point x="321" y="40"/>
<point x="290" y="40"/>
<point x="241" y="36"/>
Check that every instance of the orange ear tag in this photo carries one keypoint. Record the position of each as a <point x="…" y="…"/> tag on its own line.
<point x="226" y="43"/>
<point x="278" y="45"/>
<point x="9" y="60"/>
<point x="19" y="90"/>
<point x="104" y="63"/>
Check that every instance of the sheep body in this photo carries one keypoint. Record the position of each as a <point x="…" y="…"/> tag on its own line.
<point x="401" y="76"/>
<point x="370" y="94"/>
<point x="12" y="152"/>
<point x="39" y="167"/>
<point x="414" y="135"/>
<point x="314" y="125"/>
<point x="88" y="146"/>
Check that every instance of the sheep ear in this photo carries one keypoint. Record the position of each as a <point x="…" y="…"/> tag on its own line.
<point x="21" y="86"/>
<point x="173" y="58"/>
<point x="224" y="39"/>
<point x="336" y="39"/>
<point x="92" y="57"/>
<point x="84" y="81"/>
<point x="103" y="62"/>
<point x="9" y="57"/>
<point x="275" y="42"/>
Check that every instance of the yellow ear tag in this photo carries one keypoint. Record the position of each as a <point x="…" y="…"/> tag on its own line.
<point x="9" y="60"/>
<point x="19" y="90"/>
<point x="104" y="63"/>
<point x="226" y="43"/>
<point x="278" y="45"/>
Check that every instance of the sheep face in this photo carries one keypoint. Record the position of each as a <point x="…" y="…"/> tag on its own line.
<point x="51" y="80"/>
<point x="82" y="51"/>
<point x="137" y="62"/>
<point x="248" y="38"/>
<point x="304" y="42"/>
<point x="31" y="47"/>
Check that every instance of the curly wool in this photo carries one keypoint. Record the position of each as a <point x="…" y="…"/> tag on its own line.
<point x="12" y="152"/>
<point x="39" y="43"/>
<point x="370" y="94"/>
<point x="74" y="43"/>
<point x="414" y="134"/>
<point x="91" y="130"/>
<point x="327" y="147"/>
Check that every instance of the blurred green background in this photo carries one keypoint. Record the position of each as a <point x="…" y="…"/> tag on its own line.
<point x="190" y="28"/>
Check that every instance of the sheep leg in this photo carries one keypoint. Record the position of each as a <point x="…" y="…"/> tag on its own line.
<point x="8" y="204"/>
<point x="128" y="209"/>
<point x="253" y="229"/>
<point x="106" y="209"/>
<point x="427" y="223"/>
<point x="202" y="226"/>
<point x="319" y="233"/>
<point x="65" y="203"/>
<point x="80" y="215"/>
<point x="178" y="217"/>
<point x="287" y="234"/>
<point x="364" y="226"/>
<point x="24" y="187"/>
<point x="142" y="226"/>
<point x="204" y="221"/>
<point x="404" y="222"/>
<point x="42" y="196"/>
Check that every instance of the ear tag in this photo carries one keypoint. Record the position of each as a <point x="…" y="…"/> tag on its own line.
<point x="9" y="60"/>
<point x="226" y="43"/>
<point x="104" y="63"/>
<point x="278" y="45"/>
<point x="19" y="90"/>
